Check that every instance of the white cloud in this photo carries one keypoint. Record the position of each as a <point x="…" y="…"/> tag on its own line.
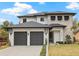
<point x="22" y="5"/>
<point x="73" y="6"/>
<point x="18" y="8"/>
<point x="13" y="11"/>
<point x="32" y="11"/>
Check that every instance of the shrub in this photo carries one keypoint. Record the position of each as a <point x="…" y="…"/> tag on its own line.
<point x="74" y="40"/>
<point x="68" y="39"/>
<point x="60" y="42"/>
<point x="4" y="43"/>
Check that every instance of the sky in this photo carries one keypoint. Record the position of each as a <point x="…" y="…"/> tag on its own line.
<point x="10" y="10"/>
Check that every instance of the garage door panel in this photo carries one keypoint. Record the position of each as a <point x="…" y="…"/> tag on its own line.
<point x="36" y="38"/>
<point x="20" y="38"/>
<point x="36" y="43"/>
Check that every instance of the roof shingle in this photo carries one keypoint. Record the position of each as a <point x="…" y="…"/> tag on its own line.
<point x="30" y="24"/>
<point x="33" y="24"/>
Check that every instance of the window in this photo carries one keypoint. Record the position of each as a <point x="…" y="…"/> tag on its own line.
<point x="41" y="19"/>
<point x="59" y="17"/>
<point x="52" y="17"/>
<point x="66" y="17"/>
<point x="24" y="20"/>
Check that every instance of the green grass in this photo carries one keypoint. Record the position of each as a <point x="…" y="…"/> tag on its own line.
<point x="43" y="51"/>
<point x="63" y="50"/>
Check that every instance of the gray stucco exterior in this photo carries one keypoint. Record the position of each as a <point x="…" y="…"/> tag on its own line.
<point x="59" y="29"/>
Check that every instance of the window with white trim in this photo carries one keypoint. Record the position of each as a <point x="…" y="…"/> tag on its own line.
<point x="42" y="19"/>
<point x="24" y="20"/>
<point x="66" y="18"/>
<point x="59" y="18"/>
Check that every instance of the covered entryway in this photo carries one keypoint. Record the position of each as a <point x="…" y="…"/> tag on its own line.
<point x="20" y="38"/>
<point x="54" y="36"/>
<point x="36" y="38"/>
<point x="56" y="33"/>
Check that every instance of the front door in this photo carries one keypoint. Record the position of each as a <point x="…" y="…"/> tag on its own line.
<point x="56" y="36"/>
<point x="51" y="37"/>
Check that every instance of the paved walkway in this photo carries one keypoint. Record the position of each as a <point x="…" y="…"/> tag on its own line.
<point x="21" y="51"/>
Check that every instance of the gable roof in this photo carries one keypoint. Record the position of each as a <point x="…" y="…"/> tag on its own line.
<point x="47" y="13"/>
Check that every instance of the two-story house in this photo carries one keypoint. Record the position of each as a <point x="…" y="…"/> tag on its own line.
<point x="35" y="29"/>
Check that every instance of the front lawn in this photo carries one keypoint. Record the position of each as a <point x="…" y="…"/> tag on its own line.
<point x="63" y="50"/>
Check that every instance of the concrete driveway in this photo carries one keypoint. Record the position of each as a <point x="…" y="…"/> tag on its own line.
<point x="21" y="51"/>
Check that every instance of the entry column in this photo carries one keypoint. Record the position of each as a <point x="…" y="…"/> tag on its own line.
<point x="28" y="38"/>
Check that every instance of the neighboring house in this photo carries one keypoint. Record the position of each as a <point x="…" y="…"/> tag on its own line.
<point x="35" y="29"/>
<point x="76" y="35"/>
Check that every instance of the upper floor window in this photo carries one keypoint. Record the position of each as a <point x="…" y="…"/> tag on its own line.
<point x="52" y="17"/>
<point x="59" y="17"/>
<point x="66" y="17"/>
<point x="24" y="20"/>
<point x="41" y="19"/>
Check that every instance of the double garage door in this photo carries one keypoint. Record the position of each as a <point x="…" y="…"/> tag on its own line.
<point x="20" y="38"/>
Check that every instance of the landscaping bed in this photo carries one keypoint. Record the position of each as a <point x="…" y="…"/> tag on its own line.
<point x="3" y="45"/>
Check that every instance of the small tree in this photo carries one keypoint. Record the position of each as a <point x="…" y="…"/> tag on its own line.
<point x="3" y="30"/>
<point x="4" y="25"/>
<point x="75" y="25"/>
<point x="68" y="39"/>
<point x="4" y="34"/>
